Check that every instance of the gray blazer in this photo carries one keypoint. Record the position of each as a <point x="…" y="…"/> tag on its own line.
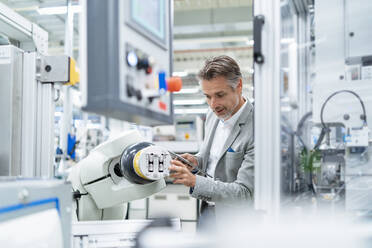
<point x="234" y="175"/>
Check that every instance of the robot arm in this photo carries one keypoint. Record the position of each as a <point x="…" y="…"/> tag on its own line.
<point x="116" y="172"/>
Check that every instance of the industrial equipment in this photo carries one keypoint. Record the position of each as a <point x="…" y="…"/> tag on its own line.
<point x="25" y="203"/>
<point x="27" y="80"/>
<point x="189" y="128"/>
<point x="27" y="93"/>
<point x="116" y="172"/>
<point x="112" y="233"/>
<point x="341" y="102"/>
<point x="317" y="115"/>
<point x="28" y="76"/>
<point x="127" y="60"/>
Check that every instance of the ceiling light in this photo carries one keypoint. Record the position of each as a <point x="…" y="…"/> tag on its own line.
<point x="189" y="102"/>
<point x="59" y="10"/>
<point x="287" y="40"/>
<point x="191" y="111"/>
<point x="250" y="42"/>
<point x="180" y="74"/>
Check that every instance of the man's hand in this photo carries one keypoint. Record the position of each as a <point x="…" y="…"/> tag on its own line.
<point x="181" y="174"/>
<point x="191" y="159"/>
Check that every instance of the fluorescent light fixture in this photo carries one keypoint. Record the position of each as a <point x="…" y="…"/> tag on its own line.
<point x="59" y="10"/>
<point x="191" y="111"/>
<point x="250" y="42"/>
<point x="180" y="73"/>
<point x="287" y="40"/>
<point x="209" y="40"/>
<point x="188" y="91"/>
<point x="189" y="102"/>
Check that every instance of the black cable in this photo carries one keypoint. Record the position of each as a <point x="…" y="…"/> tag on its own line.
<point x="363" y="117"/>
<point x="300" y="125"/>
<point x="77" y="209"/>
<point x="325" y="129"/>
<point x="76" y="195"/>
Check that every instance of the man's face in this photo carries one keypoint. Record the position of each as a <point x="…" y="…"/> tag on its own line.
<point x="221" y="97"/>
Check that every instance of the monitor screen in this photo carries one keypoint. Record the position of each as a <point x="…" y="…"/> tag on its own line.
<point x="149" y="18"/>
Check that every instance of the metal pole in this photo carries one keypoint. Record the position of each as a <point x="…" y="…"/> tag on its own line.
<point x="67" y="101"/>
<point x="267" y="109"/>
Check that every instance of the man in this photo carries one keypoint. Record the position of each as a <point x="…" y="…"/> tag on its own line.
<point x="227" y="153"/>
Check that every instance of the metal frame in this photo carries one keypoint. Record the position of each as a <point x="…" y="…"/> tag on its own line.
<point x="46" y="109"/>
<point x="267" y="111"/>
<point x="29" y="116"/>
<point x="303" y="35"/>
<point x="66" y="89"/>
<point x="11" y="64"/>
<point x="38" y="98"/>
<point x="30" y="35"/>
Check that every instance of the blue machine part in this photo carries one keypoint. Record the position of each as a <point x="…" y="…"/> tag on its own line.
<point x="162" y="82"/>
<point x="71" y="144"/>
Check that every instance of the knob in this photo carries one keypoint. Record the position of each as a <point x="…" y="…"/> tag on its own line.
<point x="138" y="95"/>
<point x="143" y="64"/>
<point x="174" y="84"/>
<point x="130" y="90"/>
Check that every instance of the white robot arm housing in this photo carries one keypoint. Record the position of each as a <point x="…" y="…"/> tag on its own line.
<point x="116" y="172"/>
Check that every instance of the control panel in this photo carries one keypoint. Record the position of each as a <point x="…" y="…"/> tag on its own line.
<point x="128" y="56"/>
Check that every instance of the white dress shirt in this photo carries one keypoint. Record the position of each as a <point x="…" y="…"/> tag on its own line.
<point x="223" y="131"/>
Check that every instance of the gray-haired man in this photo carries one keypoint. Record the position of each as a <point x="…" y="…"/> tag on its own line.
<point x="227" y="152"/>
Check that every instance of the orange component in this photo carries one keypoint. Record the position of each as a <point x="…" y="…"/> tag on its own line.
<point x="162" y="105"/>
<point x="174" y="84"/>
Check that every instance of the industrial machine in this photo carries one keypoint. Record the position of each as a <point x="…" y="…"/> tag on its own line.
<point x="126" y="65"/>
<point x="29" y="202"/>
<point x="114" y="233"/>
<point x="27" y="104"/>
<point x="189" y="128"/>
<point x="127" y="49"/>
<point x="28" y="194"/>
<point x="116" y="172"/>
<point x="315" y="140"/>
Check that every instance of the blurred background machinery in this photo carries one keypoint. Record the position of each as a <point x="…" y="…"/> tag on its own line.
<point x="320" y="110"/>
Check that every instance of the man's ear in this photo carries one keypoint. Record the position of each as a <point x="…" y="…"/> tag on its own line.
<point x="239" y="87"/>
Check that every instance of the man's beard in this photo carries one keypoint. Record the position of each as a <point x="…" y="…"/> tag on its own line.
<point x="229" y="113"/>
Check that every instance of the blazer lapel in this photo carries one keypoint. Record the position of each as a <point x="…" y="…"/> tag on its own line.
<point x="236" y="129"/>
<point x="234" y="133"/>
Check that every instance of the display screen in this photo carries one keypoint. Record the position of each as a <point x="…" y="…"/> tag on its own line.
<point x="149" y="15"/>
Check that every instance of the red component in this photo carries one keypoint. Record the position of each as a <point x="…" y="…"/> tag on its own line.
<point x="162" y="105"/>
<point x="174" y="84"/>
<point x="148" y="70"/>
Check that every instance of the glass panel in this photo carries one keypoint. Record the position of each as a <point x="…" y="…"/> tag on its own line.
<point x="326" y="104"/>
